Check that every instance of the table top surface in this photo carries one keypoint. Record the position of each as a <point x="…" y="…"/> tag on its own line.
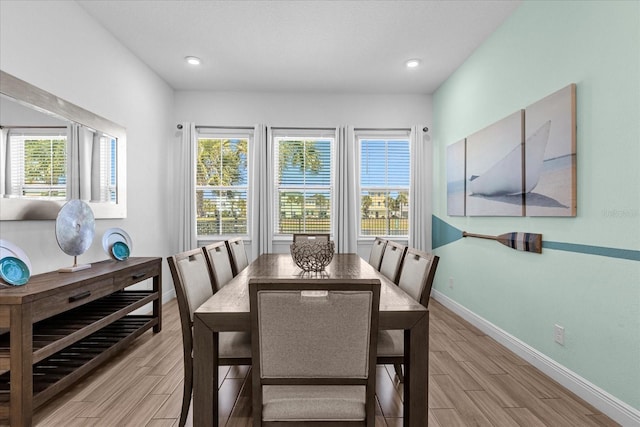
<point x="44" y="284"/>
<point x="233" y="298"/>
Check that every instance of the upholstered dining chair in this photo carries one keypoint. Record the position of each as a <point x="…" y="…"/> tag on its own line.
<point x="392" y="259"/>
<point x="377" y="250"/>
<point x="219" y="263"/>
<point x="238" y="253"/>
<point x="416" y="279"/>
<point x="193" y="287"/>
<point x="314" y="351"/>
<point x="317" y="237"/>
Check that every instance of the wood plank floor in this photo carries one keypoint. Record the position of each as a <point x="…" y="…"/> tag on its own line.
<point x="473" y="382"/>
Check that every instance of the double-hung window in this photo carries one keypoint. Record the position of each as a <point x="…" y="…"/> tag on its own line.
<point x="222" y="190"/>
<point x="37" y="166"/>
<point x="384" y="183"/>
<point x="303" y="165"/>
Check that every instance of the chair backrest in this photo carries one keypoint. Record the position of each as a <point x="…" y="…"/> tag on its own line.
<point x="377" y="250"/>
<point x="192" y="283"/>
<point x="392" y="259"/>
<point x="324" y="237"/>
<point x="219" y="263"/>
<point x="239" y="259"/>
<point x="310" y="332"/>
<point x="417" y="273"/>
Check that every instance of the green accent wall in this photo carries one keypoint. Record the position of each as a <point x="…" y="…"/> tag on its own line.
<point x="542" y="47"/>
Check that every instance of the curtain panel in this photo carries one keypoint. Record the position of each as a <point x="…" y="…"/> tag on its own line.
<point x="261" y="176"/>
<point x="420" y="197"/>
<point x="186" y="181"/>
<point x="346" y="205"/>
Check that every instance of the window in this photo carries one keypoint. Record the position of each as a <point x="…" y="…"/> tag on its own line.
<point x="303" y="169"/>
<point x="384" y="184"/>
<point x="38" y="163"/>
<point x="222" y="184"/>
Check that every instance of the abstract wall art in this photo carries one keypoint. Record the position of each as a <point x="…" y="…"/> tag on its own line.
<point x="494" y="169"/>
<point x="456" y="178"/>
<point x="524" y="164"/>
<point x="550" y="155"/>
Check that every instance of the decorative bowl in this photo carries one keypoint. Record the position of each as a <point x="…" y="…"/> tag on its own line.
<point x="312" y="255"/>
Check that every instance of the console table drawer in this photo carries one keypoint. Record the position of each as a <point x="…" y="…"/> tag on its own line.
<point x="65" y="300"/>
<point x="143" y="272"/>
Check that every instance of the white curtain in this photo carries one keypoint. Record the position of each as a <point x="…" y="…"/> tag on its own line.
<point x="346" y="210"/>
<point x="85" y="153"/>
<point x="186" y="181"/>
<point x="261" y="164"/>
<point x="96" y="181"/>
<point x="73" y="161"/>
<point x="5" y="166"/>
<point x="420" y="197"/>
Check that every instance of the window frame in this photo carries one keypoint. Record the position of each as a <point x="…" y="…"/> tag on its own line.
<point x="226" y="133"/>
<point x="381" y="135"/>
<point x="279" y="134"/>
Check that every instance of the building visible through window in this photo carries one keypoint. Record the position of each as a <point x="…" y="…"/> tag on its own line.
<point x="384" y="185"/>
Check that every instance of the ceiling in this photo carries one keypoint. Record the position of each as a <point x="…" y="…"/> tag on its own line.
<point x="302" y="46"/>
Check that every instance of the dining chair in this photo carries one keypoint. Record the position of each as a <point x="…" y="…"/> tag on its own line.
<point x="377" y="250"/>
<point x="416" y="279"/>
<point x="239" y="259"/>
<point x="219" y="264"/>
<point x="392" y="259"/>
<point x="192" y="282"/>
<point x="314" y="351"/>
<point x="318" y="237"/>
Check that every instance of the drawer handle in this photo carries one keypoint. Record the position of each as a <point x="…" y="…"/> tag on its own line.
<point x="138" y="276"/>
<point x="79" y="296"/>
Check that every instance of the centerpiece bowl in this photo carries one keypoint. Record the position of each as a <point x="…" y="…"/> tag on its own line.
<point x="312" y="255"/>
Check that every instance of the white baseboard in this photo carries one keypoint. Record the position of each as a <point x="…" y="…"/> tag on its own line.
<point x="611" y="406"/>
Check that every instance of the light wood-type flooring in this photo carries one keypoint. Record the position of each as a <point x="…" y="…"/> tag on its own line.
<point x="473" y="382"/>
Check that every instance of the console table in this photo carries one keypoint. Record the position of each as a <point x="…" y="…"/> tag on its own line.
<point x="59" y="326"/>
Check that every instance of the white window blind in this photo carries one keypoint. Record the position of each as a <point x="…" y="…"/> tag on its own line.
<point x="222" y="183"/>
<point x="303" y="181"/>
<point x="384" y="183"/>
<point x="38" y="163"/>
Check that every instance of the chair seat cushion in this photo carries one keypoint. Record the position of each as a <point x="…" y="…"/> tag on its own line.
<point x="313" y="403"/>
<point x="234" y="345"/>
<point x="391" y="343"/>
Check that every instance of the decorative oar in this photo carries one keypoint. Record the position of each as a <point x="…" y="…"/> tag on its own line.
<point x="527" y="242"/>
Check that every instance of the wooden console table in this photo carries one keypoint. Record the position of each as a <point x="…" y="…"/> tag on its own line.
<point x="59" y="326"/>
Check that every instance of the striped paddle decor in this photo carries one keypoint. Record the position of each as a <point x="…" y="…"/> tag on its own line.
<point x="526" y="242"/>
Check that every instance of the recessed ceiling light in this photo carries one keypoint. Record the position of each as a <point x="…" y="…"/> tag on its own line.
<point x="412" y="63"/>
<point x="192" y="60"/>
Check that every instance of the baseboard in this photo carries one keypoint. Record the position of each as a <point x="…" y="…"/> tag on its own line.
<point x="611" y="406"/>
<point x="168" y="296"/>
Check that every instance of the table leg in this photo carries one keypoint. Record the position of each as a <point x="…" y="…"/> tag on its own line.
<point x="416" y="377"/>
<point x="205" y="375"/>
<point x="21" y="358"/>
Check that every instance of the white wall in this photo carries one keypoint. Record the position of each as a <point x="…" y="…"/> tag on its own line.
<point x="303" y="110"/>
<point x="56" y="46"/>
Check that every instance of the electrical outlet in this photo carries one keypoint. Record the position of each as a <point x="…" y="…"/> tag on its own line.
<point x="558" y="335"/>
<point x="450" y="282"/>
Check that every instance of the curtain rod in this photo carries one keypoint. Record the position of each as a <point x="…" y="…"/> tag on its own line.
<point x="220" y="127"/>
<point x="32" y="127"/>
<point x="300" y="128"/>
<point x="424" y="129"/>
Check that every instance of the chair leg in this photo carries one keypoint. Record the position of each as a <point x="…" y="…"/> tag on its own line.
<point x="186" y="394"/>
<point x="398" y="368"/>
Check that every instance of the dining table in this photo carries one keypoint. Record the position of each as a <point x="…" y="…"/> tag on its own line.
<point x="228" y="310"/>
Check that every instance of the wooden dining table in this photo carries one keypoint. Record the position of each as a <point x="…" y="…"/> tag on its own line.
<point x="228" y="310"/>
